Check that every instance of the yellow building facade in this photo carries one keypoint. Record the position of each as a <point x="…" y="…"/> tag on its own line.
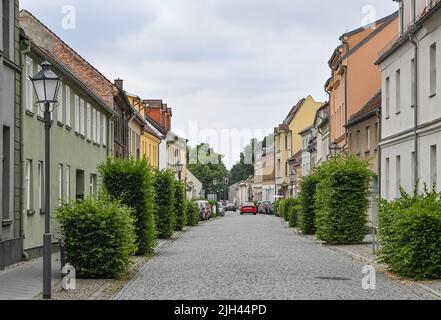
<point x="149" y="141"/>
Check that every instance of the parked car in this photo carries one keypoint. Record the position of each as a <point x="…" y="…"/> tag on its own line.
<point x="248" y="207"/>
<point x="205" y="210"/>
<point x="221" y="209"/>
<point x="231" y="207"/>
<point x="266" y="207"/>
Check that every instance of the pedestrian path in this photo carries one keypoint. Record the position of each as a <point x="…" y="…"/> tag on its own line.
<point x="25" y="281"/>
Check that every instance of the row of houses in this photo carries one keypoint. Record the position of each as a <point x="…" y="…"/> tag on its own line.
<point x="94" y="119"/>
<point x="384" y="106"/>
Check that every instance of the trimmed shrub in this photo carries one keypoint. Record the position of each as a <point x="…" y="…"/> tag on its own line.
<point x="193" y="214"/>
<point x="165" y="203"/>
<point x="285" y="205"/>
<point x="410" y="230"/>
<point x="293" y="214"/>
<point x="307" y="204"/>
<point x="131" y="182"/>
<point x="181" y="216"/>
<point x="276" y="208"/>
<point x="342" y="200"/>
<point x="99" y="236"/>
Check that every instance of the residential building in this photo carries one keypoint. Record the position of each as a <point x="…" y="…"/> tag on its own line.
<point x="194" y="187"/>
<point x="11" y="128"/>
<point x="321" y="123"/>
<point x="177" y="153"/>
<point x="149" y="140"/>
<point x="308" y="137"/>
<point x="282" y="137"/>
<point x="258" y="178"/>
<point x="268" y="175"/>
<point x="355" y="78"/>
<point x="81" y="133"/>
<point x="411" y="117"/>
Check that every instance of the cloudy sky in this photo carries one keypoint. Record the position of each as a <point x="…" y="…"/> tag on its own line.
<point x="223" y="64"/>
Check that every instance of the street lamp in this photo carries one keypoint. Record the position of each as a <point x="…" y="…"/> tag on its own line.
<point x="335" y="149"/>
<point x="179" y="167"/>
<point x="46" y="85"/>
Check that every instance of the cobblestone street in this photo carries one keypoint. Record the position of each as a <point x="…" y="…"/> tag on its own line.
<point x="253" y="257"/>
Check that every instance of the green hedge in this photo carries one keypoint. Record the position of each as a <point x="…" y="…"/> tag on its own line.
<point x="293" y="214"/>
<point x="165" y="203"/>
<point x="99" y="236"/>
<point x="193" y="214"/>
<point x="285" y="205"/>
<point x="410" y="235"/>
<point x="307" y="195"/>
<point x="181" y="215"/>
<point x="132" y="182"/>
<point x="342" y="200"/>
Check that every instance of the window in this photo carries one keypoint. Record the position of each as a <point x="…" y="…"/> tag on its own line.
<point x="398" y="91"/>
<point x="387" y="114"/>
<point x="94" y="125"/>
<point x="28" y="185"/>
<point x="82" y="118"/>
<point x="387" y="168"/>
<point x="60" y="185"/>
<point x="67" y="186"/>
<point x="40" y="106"/>
<point x="79" y="185"/>
<point x="359" y="142"/>
<point x="368" y="138"/>
<point x="104" y="130"/>
<point x="89" y="122"/>
<point x="77" y="113"/>
<point x="7" y="28"/>
<point x="98" y="127"/>
<point x="67" y="97"/>
<point x="40" y="184"/>
<point x="60" y="105"/>
<point x="398" y="176"/>
<point x="29" y="90"/>
<point x="92" y="185"/>
<point x="433" y="167"/>
<point x="413" y="82"/>
<point x="433" y="70"/>
<point x="6" y="171"/>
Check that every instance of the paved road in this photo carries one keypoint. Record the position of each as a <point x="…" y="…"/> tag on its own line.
<point x="252" y="257"/>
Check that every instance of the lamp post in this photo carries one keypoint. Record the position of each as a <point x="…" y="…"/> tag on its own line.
<point x="334" y="149"/>
<point x="179" y="167"/>
<point x="46" y="85"/>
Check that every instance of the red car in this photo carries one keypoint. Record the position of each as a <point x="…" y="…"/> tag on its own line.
<point x="248" y="207"/>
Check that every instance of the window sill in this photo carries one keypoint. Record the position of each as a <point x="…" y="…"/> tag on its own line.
<point x="60" y="124"/>
<point x="42" y="212"/>
<point x="68" y="128"/>
<point x="82" y="137"/>
<point x="398" y="113"/>
<point x="89" y="141"/>
<point x="77" y="134"/>
<point x="387" y="118"/>
<point x="30" y="212"/>
<point x="30" y="113"/>
<point x="432" y="95"/>
<point x="7" y="222"/>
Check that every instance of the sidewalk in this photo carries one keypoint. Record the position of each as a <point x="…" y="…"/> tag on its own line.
<point x="24" y="281"/>
<point x="430" y="290"/>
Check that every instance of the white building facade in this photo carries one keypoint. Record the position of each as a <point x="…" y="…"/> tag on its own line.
<point x="411" y="97"/>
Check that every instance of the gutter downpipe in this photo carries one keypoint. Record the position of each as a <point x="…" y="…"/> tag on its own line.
<point x="416" y="146"/>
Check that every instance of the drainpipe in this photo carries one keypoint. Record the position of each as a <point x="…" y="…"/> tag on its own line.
<point x="416" y="146"/>
<point x="346" y="109"/>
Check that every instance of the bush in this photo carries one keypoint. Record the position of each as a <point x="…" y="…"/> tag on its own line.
<point x="193" y="214"/>
<point x="181" y="216"/>
<point x="165" y="203"/>
<point x="342" y="200"/>
<point x="285" y="205"/>
<point x="410" y="230"/>
<point x="276" y="208"/>
<point x="293" y="214"/>
<point x="99" y="236"/>
<point x="131" y="182"/>
<point x="307" y="204"/>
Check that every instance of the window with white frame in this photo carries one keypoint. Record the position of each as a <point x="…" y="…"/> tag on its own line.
<point x="93" y="185"/>
<point x="413" y="82"/>
<point x="94" y="125"/>
<point x="387" y="84"/>
<point x="98" y="127"/>
<point x="28" y="185"/>
<point x="60" y="185"/>
<point x="82" y="118"/>
<point x="387" y="168"/>
<point x="29" y="89"/>
<point x="433" y="167"/>
<point x="368" y="138"/>
<point x="104" y="130"/>
<point x="60" y="104"/>
<point x="398" y="177"/>
<point x="433" y="69"/>
<point x="40" y="106"/>
<point x="67" y="184"/>
<point x="398" y="91"/>
<point x="68" y="111"/>
<point x="40" y="185"/>
<point x="77" y="113"/>
<point x="89" y="122"/>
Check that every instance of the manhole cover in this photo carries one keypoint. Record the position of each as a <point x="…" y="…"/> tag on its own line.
<point x="334" y="278"/>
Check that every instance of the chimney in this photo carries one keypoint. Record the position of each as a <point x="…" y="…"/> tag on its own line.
<point x="119" y="83"/>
